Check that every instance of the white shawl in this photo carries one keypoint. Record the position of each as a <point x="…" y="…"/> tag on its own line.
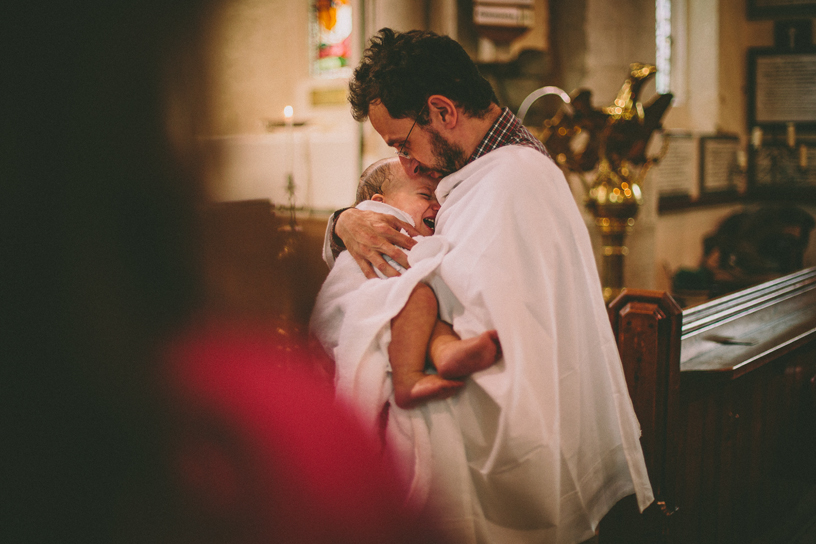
<point x="540" y="446"/>
<point x="352" y="319"/>
<point x="548" y="436"/>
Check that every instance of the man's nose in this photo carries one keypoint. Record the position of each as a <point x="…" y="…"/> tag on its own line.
<point x="411" y="167"/>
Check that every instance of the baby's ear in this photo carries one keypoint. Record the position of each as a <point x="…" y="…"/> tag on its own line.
<point x="377" y="197"/>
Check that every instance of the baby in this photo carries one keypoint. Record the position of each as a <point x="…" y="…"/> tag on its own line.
<point x="417" y="334"/>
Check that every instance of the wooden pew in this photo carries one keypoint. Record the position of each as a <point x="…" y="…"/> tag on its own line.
<point x="257" y="268"/>
<point x="726" y="396"/>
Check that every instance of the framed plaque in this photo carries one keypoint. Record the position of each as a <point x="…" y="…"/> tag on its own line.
<point x="719" y="165"/>
<point x="783" y="167"/>
<point x="674" y="173"/>
<point x="782" y="87"/>
<point x="785" y="9"/>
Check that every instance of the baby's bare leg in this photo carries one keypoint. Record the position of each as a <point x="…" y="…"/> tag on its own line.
<point x="456" y="358"/>
<point x="410" y="333"/>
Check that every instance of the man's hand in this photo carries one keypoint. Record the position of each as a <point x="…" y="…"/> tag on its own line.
<point x="370" y="235"/>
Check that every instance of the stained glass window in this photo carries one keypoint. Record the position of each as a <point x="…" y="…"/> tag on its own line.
<point x="331" y="38"/>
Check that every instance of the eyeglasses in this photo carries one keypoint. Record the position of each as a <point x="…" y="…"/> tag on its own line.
<point x="401" y="151"/>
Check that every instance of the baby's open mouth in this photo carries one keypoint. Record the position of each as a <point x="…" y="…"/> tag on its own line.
<point x="430" y="222"/>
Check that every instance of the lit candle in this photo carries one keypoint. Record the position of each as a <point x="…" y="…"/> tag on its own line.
<point x="756" y="137"/>
<point x="791" y="135"/>
<point x="803" y="158"/>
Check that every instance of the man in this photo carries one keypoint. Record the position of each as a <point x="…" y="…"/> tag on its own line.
<point x="540" y="446"/>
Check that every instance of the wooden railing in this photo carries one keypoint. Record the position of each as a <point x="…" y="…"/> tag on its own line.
<point x="726" y="396"/>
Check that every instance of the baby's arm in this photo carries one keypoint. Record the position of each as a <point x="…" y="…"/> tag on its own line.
<point x="411" y="331"/>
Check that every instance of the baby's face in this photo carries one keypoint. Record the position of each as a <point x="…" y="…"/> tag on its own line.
<point x="415" y="196"/>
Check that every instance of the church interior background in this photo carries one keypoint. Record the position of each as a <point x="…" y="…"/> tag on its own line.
<point x="279" y="130"/>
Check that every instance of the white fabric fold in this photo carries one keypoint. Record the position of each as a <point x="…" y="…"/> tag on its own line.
<point x="549" y="435"/>
<point x="352" y="319"/>
<point x="538" y="447"/>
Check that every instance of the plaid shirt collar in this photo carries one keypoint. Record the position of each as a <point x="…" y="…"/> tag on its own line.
<point x="507" y="130"/>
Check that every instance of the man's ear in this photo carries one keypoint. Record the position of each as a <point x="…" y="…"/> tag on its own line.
<point x="443" y="109"/>
<point x="377" y="197"/>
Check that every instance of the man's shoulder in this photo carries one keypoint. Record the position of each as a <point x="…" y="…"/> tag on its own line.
<point x="519" y="158"/>
<point x="520" y="170"/>
<point x="522" y="149"/>
<point x="504" y="169"/>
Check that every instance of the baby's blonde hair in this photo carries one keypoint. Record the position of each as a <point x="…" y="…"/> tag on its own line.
<point x="378" y="178"/>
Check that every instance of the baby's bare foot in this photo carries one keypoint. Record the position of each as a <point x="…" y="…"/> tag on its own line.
<point x="429" y="387"/>
<point x="460" y="358"/>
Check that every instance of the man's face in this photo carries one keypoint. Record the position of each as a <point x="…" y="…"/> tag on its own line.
<point x="429" y="152"/>
<point x="415" y="196"/>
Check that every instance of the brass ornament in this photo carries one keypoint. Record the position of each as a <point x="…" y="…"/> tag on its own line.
<point x="606" y="149"/>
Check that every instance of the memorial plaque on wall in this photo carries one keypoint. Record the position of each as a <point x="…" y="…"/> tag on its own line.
<point x="718" y="163"/>
<point x="674" y="173"/>
<point x="784" y="167"/>
<point x="782" y="112"/>
<point x="782" y="88"/>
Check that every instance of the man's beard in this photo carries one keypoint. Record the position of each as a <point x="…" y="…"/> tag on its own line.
<point x="448" y="157"/>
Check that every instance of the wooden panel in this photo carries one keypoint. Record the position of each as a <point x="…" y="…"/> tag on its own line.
<point x="255" y="268"/>
<point x="729" y="430"/>
<point x="743" y="455"/>
<point x="647" y="328"/>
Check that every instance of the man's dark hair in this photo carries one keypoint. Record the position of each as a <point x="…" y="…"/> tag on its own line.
<point x="403" y="69"/>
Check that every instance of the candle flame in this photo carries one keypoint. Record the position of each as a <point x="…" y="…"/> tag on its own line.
<point x="288" y="112"/>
